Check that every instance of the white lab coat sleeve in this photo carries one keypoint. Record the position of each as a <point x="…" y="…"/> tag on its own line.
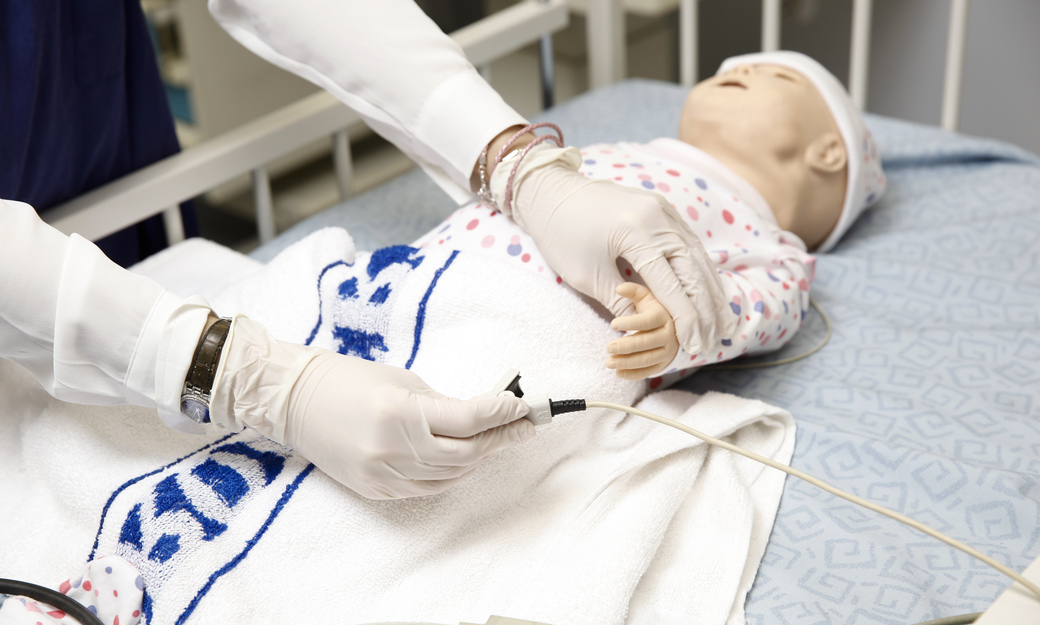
<point x="389" y="62"/>
<point x="88" y="330"/>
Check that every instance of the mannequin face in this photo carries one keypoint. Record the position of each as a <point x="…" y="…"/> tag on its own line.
<point x="771" y="126"/>
<point x="757" y="109"/>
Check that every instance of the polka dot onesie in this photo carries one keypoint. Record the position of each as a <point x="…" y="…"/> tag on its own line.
<point x="110" y="588"/>
<point x="765" y="271"/>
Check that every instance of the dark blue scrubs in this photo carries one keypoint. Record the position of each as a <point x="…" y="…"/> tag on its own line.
<point x="81" y="103"/>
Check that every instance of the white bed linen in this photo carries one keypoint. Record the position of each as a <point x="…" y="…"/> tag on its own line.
<point x="601" y="518"/>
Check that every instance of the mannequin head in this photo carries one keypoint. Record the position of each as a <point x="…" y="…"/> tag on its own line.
<point x="784" y="124"/>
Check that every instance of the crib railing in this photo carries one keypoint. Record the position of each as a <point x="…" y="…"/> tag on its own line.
<point x="248" y="149"/>
<point x="161" y="187"/>
<point x="606" y="47"/>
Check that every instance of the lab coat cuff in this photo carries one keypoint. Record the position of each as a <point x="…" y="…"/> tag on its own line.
<point x="168" y="344"/>
<point x="457" y="121"/>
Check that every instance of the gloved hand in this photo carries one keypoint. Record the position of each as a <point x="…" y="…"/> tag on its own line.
<point x="377" y="429"/>
<point x="582" y="227"/>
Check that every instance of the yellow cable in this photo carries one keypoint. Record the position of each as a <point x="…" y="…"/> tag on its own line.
<point x="785" y="361"/>
<point x="971" y="551"/>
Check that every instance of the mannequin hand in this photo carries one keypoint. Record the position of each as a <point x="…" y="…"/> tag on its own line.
<point x="654" y="344"/>
<point x="377" y="429"/>
<point x="583" y="227"/>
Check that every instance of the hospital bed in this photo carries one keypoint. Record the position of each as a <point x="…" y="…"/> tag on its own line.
<point x="926" y="398"/>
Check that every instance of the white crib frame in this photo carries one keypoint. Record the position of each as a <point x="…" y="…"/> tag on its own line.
<point x="605" y="28"/>
<point x="161" y="187"/>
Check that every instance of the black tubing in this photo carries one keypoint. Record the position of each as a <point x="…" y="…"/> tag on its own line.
<point x="66" y="604"/>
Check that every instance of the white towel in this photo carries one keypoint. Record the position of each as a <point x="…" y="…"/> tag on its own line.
<point x="601" y="518"/>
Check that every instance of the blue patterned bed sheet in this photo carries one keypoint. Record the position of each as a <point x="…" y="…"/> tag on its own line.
<point x="926" y="400"/>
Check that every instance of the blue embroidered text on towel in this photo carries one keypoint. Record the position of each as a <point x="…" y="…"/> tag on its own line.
<point x="205" y="512"/>
<point x="202" y="513"/>
<point x="355" y="297"/>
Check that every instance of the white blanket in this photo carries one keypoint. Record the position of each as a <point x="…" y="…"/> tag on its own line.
<point x="601" y="518"/>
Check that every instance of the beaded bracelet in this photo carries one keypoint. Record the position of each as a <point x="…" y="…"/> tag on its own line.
<point x="512" y="175"/>
<point x="485" y="183"/>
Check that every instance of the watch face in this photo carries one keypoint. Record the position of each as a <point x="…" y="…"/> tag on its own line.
<point x="195" y="409"/>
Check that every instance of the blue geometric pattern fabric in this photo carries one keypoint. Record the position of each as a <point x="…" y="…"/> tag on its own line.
<point x="926" y="400"/>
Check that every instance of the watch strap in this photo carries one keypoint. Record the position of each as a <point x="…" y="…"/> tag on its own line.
<point x="207" y="355"/>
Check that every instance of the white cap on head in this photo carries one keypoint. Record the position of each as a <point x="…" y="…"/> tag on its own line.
<point x="865" y="181"/>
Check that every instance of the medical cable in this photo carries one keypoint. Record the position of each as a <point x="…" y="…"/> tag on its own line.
<point x="734" y="366"/>
<point x="53" y="598"/>
<point x="575" y="405"/>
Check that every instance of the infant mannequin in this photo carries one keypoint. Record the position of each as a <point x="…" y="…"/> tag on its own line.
<point x="773" y="160"/>
<point x="771" y="127"/>
<point x="785" y="124"/>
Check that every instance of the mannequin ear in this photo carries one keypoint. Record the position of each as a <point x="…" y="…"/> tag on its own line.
<point x="826" y="153"/>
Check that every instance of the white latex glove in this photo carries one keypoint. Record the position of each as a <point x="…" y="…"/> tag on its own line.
<point x="583" y="226"/>
<point x="377" y="429"/>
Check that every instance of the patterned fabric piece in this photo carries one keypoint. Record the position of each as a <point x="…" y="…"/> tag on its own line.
<point x="109" y="587"/>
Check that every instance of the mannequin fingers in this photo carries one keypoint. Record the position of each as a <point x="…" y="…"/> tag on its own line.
<point x="639" y="360"/>
<point x="640" y="341"/>
<point x="642" y="321"/>
<point x="641" y="373"/>
<point x="632" y="291"/>
<point x="619" y="306"/>
<point x="458" y="418"/>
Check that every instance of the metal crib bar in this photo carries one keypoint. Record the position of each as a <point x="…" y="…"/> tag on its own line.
<point x="264" y="201"/>
<point x="770" y="25"/>
<point x="343" y="162"/>
<point x="604" y="23"/>
<point x="174" y="225"/>
<point x="859" y="56"/>
<point x="688" y="42"/>
<point x="546" y="67"/>
<point x="955" y="44"/>
<point x="548" y="73"/>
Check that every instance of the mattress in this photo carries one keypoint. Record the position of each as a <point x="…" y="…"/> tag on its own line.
<point x="927" y="398"/>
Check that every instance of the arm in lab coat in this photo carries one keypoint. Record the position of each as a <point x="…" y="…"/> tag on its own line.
<point x="389" y="62"/>
<point x="413" y="85"/>
<point x="89" y="331"/>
